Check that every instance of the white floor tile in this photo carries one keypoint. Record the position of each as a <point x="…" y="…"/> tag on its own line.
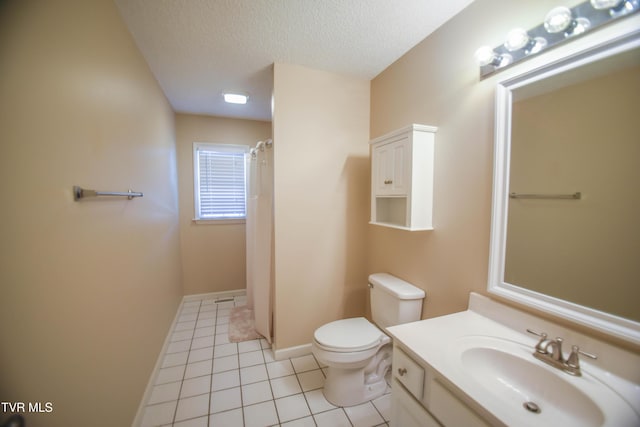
<point x="185" y="326"/>
<point x="192" y="407"/>
<point x="224" y="400"/>
<point x="280" y="368"/>
<point x="175" y="359"/>
<point x="305" y="363"/>
<point x="311" y="380"/>
<point x="292" y="407"/>
<point x="317" y="401"/>
<point x="253" y="374"/>
<point x="364" y="415"/>
<point x="164" y="393"/>
<point x="200" y="354"/>
<point x="333" y="418"/>
<point x="227" y="379"/>
<point x="383" y="405"/>
<point x="256" y="393"/>
<point x="204" y="332"/>
<point x="246" y="346"/>
<point x="187" y="317"/>
<point x="206" y="315"/>
<point x="202" y="342"/>
<point x="251" y="358"/>
<point x="222" y="337"/>
<point x="301" y="422"/>
<point x="260" y="415"/>
<point x="198" y="369"/>
<point x="168" y="375"/>
<point x="224" y="311"/>
<point x="191" y="309"/>
<point x="178" y="346"/>
<point x="195" y="386"/>
<point x="230" y="418"/>
<point x="156" y="415"/>
<point x="225" y="350"/>
<point x="208" y="307"/>
<point x="181" y="335"/>
<point x="195" y="422"/>
<point x="201" y="323"/>
<point x="268" y="355"/>
<point x="285" y="386"/>
<point x="222" y="364"/>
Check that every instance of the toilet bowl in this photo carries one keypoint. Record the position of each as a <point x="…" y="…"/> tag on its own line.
<point x="356" y="351"/>
<point x="358" y="355"/>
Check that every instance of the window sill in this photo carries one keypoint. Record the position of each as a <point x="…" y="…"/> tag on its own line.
<point x="218" y="221"/>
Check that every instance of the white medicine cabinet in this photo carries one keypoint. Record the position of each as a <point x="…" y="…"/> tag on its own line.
<point x="402" y="178"/>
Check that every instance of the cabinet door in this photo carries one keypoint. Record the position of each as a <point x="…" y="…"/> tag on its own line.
<point x="406" y="411"/>
<point x="392" y="167"/>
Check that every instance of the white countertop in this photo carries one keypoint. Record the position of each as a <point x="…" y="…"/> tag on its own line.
<point x="436" y="342"/>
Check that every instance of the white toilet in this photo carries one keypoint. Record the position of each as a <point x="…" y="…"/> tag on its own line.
<point x="357" y="353"/>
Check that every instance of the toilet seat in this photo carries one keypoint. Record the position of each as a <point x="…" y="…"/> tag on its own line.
<point x="349" y="335"/>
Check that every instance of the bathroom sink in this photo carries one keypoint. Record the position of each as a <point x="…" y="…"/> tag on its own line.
<point x="523" y="387"/>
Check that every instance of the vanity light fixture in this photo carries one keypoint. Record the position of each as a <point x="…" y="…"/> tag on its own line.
<point x="235" y="98"/>
<point x="560" y="24"/>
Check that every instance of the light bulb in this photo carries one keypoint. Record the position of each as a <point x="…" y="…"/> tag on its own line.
<point x="516" y="39"/>
<point x="235" y="98"/>
<point x="558" y="19"/>
<point x="485" y="55"/>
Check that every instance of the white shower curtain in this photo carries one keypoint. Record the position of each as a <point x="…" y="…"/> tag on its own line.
<point x="259" y="232"/>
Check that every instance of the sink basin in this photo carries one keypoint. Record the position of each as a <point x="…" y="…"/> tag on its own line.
<point x="506" y="373"/>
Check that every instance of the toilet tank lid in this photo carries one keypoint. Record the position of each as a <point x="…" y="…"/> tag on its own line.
<point x="396" y="286"/>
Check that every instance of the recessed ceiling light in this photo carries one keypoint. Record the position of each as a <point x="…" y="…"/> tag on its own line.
<point x="235" y="98"/>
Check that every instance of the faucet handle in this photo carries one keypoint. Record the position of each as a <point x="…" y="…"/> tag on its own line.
<point x="541" y="346"/>
<point x="573" y="362"/>
<point x="574" y="354"/>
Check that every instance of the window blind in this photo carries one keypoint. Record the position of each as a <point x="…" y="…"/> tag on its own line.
<point x="221" y="190"/>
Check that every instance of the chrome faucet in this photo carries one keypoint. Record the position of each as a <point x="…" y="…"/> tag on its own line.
<point x="550" y="352"/>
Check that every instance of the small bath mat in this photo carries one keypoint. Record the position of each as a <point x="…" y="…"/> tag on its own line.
<point x="241" y="326"/>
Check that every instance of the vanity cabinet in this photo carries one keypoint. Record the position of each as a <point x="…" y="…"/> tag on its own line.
<point x="419" y="397"/>
<point x="402" y="178"/>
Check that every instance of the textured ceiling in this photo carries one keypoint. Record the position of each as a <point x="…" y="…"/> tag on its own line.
<point x="198" y="49"/>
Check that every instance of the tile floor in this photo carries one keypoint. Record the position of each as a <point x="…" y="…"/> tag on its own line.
<point x="206" y="381"/>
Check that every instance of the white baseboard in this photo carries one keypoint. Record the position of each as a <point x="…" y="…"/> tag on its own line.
<point x="297" y="351"/>
<point x="215" y="295"/>
<point x="147" y="392"/>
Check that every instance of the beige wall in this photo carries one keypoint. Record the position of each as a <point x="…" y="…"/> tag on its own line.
<point x="321" y="130"/>
<point x="579" y="138"/>
<point x="213" y="254"/>
<point x="437" y="83"/>
<point x="87" y="289"/>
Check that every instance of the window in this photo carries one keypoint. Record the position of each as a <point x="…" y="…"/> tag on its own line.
<point x="219" y="181"/>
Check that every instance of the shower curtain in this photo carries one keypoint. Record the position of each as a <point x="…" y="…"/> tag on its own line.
<point x="259" y="232"/>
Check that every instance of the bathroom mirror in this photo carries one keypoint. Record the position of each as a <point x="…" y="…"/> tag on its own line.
<point x="565" y="235"/>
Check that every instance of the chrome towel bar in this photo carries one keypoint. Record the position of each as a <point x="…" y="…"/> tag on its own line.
<point x="80" y="193"/>
<point x="576" y="196"/>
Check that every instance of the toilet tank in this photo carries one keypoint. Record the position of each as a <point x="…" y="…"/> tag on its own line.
<point x="394" y="301"/>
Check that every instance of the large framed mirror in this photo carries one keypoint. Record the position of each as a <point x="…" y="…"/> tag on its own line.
<point x="565" y="236"/>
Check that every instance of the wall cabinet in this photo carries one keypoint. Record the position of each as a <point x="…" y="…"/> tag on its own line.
<point x="402" y="178"/>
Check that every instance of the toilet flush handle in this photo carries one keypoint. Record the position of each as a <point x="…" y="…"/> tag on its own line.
<point x="402" y="371"/>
